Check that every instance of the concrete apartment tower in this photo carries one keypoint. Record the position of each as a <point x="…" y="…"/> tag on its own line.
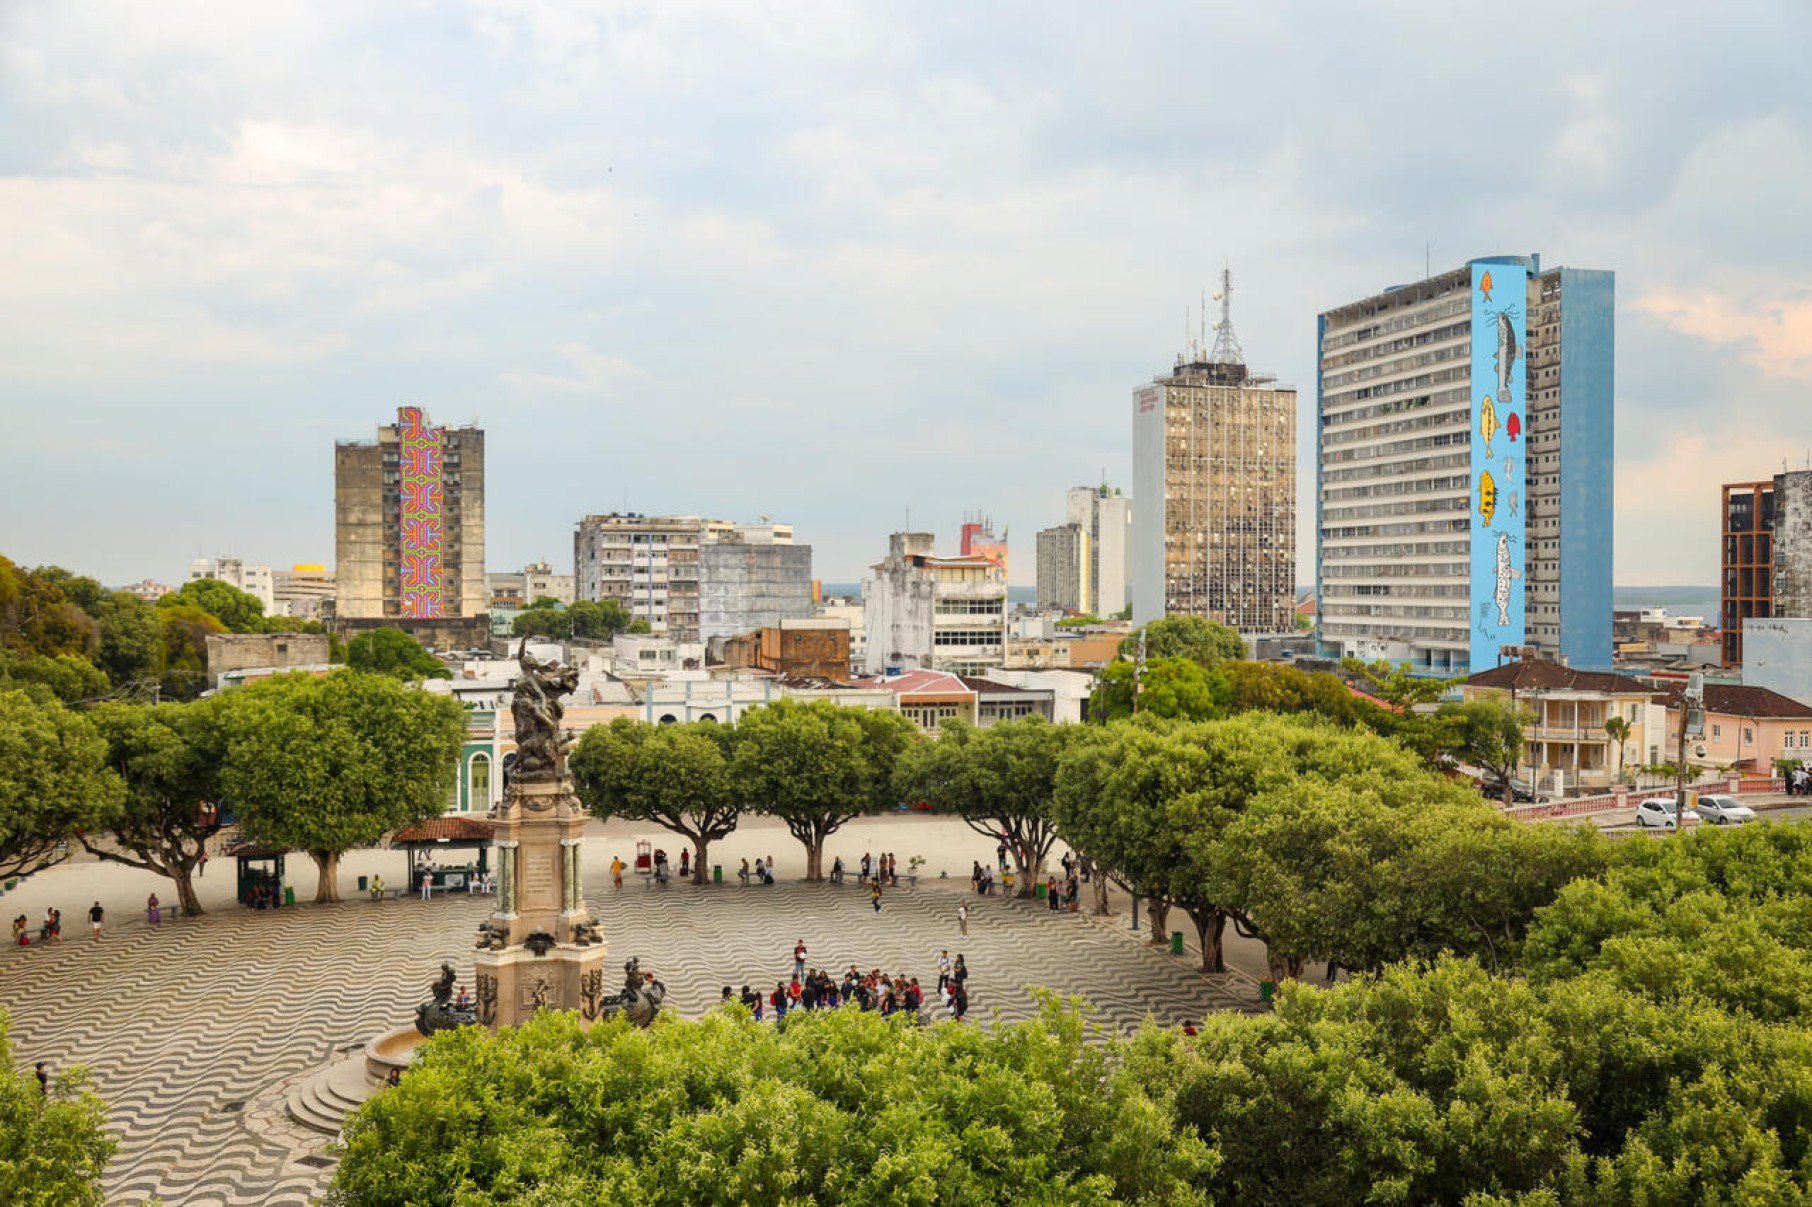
<point x="1214" y="470"/>
<point x="1766" y="556"/>
<point x="409" y="523"/>
<point x="1464" y="469"/>
<point x="1082" y="564"/>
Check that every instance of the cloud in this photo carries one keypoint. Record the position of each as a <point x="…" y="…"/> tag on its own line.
<point x="1774" y="334"/>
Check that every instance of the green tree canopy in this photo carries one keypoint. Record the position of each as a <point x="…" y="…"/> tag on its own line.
<point x="999" y="780"/>
<point x="54" y="1147"/>
<point x="393" y="652"/>
<point x="324" y="764"/>
<point x="817" y="767"/>
<point x="594" y="620"/>
<point x="237" y="611"/>
<point x="1177" y="688"/>
<point x="37" y="618"/>
<point x="186" y="628"/>
<point x="1206" y="641"/>
<point x="675" y="776"/>
<point x="169" y="758"/>
<point x="66" y="676"/>
<point x="726" y="1110"/>
<point x="54" y="780"/>
<point x="1490" y="735"/>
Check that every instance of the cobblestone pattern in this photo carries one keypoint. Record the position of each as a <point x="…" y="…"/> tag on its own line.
<point x="194" y="1030"/>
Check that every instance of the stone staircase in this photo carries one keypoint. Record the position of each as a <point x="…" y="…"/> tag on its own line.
<point x="324" y="1101"/>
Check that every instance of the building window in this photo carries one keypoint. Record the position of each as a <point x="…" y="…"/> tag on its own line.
<point x="479" y="793"/>
<point x="1717" y="731"/>
<point x="1748" y="735"/>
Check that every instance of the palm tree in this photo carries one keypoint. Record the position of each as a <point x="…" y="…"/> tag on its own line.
<point x="1618" y="730"/>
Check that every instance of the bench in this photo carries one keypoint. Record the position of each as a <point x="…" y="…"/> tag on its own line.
<point x="387" y="894"/>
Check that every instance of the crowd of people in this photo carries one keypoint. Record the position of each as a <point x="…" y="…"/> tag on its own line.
<point x="874" y="990"/>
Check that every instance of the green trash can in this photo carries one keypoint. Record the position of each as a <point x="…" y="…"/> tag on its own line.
<point x="1038" y="891"/>
<point x="289" y="895"/>
<point x="364" y="882"/>
<point x="717" y="873"/>
<point x="1267" y="990"/>
<point x="1176" y="942"/>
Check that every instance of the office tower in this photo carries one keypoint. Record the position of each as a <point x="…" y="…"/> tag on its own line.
<point x="1214" y="470"/>
<point x="924" y="612"/>
<point x="1106" y="516"/>
<point x="409" y="522"/>
<point x="1464" y="468"/>
<point x="1766" y="555"/>
<point x="1063" y="564"/>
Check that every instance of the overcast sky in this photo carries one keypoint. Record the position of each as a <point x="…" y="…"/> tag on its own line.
<point x="834" y="263"/>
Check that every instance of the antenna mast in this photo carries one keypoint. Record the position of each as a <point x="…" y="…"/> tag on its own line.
<point x="1226" y="344"/>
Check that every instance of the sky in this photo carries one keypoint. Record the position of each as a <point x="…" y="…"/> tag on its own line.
<point x="839" y="264"/>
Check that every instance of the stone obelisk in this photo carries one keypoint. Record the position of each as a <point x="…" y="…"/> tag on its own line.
<point x="540" y="948"/>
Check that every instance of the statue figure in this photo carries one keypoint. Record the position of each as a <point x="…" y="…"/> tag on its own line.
<point x="487" y="999"/>
<point x="439" y="1013"/>
<point x="536" y="708"/>
<point x="442" y="989"/>
<point x="541" y="997"/>
<point x="591" y="994"/>
<point x="493" y="935"/>
<point x="642" y="995"/>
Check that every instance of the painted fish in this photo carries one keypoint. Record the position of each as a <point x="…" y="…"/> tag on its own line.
<point x="1513" y="503"/>
<point x="1487" y="496"/>
<point x="1513" y="427"/>
<point x="1505" y="572"/>
<point x="1507" y="352"/>
<point x="1487" y="421"/>
<point x="1485" y="285"/>
<point x="1509" y="469"/>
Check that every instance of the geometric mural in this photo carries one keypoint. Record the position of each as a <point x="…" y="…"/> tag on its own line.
<point x="421" y="548"/>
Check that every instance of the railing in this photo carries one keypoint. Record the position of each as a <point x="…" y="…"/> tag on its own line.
<point x="1603" y="802"/>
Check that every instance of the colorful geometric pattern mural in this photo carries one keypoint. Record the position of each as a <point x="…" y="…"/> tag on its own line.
<point x="423" y="578"/>
<point x="1499" y="410"/>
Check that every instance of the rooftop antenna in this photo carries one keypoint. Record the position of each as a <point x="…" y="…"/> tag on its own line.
<point x="1202" y="319"/>
<point x="1226" y="344"/>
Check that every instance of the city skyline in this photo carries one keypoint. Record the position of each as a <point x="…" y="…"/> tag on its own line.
<point x="760" y="261"/>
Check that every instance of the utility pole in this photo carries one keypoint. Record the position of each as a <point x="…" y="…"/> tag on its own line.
<point x="1692" y="716"/>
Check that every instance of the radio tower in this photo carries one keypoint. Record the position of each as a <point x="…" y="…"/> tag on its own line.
<point x="1226" y="344"/>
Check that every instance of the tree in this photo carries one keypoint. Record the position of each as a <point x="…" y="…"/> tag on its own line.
<point x="1206" y="641"/>
<point x="1618" y="730"/>
<point x="817" y="767"/>
<point x="1491" y="737"/>
<point x="54" y="1147"/>
<point x="998" y="780"/>
<point x="594" y="620"/>
<point x="676" y="776"/>
<point x="36" y="617"/>
<point x="726" y="1110"/>
<point x="168" y="757"/>
<point x="326" y="764"/>
<point x="1179" y="688"/>
<point x="69" y="678"/>
<point x="393" y="652"/>
<point x="186" y="628"/>
<point x="237" y="611"/>
<point x="54" y="781"/>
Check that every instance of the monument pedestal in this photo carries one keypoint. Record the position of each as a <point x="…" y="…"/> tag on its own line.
<point x="540" y="948"/>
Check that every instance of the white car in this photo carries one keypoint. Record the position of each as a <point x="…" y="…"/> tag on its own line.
<point x="1659" y="811"/>
<point x="1723" y="810"/>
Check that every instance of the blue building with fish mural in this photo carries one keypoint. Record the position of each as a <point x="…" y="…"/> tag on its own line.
<point x="1465" y="447"/>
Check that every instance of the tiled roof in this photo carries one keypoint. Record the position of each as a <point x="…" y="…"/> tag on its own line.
<point x="1736" y="700"/>
<point x="1542" y="675"/>
<point x="990" y="687"/>
<point x="916" y="682"/>
<point x="452" y="829"/>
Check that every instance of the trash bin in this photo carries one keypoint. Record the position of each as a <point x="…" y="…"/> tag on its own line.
<point x="717" y="873"/>
<point x="1267" y="990"/>
<point x="1176" y="942"/>
<point x="289" y="895"/>
<point x="1038" y="891"/>
<point x="364" y="881"/>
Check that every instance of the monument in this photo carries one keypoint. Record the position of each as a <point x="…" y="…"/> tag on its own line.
<point x="539" y="949"/>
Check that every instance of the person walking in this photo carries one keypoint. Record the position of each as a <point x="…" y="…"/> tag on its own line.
<point x="95" y="914"/>
<point x="799" y="960"/>
<point x="685" y="864"/>
<point x="943" y="969"/>
<point x="962" y="919"/>
<point x="1053" y="897"/>
<point x="874" y="895"/>
<point x="43" y="1072"/>
<point x="616" y="871"/>
<point x="427" y="885"/>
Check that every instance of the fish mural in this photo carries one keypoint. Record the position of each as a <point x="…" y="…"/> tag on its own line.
<point x="1513" y="427"/>
<point x="1507" y="352"/>
<point x="1487" y="497"/>
<point x="1485" y="286"/>
<point x="1509" y="470"/>
<point x="1487" y="421"/>
<point x="1512" y="502"/>
<point x="1505" y="573"/>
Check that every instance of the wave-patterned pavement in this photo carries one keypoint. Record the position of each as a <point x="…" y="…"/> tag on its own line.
<point x="191" y="1027"/>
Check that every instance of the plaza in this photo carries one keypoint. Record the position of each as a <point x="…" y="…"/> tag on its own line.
<point x="196" y="1030"/>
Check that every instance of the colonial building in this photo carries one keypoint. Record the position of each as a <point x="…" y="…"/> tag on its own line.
<point x="1569" y="710"/>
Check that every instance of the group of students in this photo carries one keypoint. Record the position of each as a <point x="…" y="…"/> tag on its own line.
<point x="820" y="989"/>
<point x="763" y="873"/>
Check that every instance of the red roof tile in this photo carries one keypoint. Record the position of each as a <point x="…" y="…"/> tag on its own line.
<point x="452" y="829"/>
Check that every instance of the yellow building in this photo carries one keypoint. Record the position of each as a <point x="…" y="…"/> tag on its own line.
<point x="1569" y="711"/>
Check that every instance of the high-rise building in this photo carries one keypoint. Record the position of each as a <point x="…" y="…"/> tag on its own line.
<point x="1106" y="516"/>
<point x="1063" y="562"/>
<point x="1214" y="468"/>
<point x="921" y="611"/>
<point x="1766" y="555"/>
<point x="304" y="591"/>
<point x="409" y="522"/>
<point x="1464" y="469"/>
<point x="978" y="540"/>
<point x="253" y="580"/>
<point x="665" y="570"/>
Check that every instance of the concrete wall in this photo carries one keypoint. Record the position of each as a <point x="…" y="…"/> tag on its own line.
<point x="1777" y="654"/>
<point x="898" y="605"/>
<point x="744" y="586"/>
<point x="240" y="651"/>
<point x="358" y="490"/>
<point x="1792" y="546"/>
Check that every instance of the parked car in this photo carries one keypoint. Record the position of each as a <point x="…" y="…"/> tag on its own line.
<point x="1722" y="810"/>
<point x="1659" y="811"/>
